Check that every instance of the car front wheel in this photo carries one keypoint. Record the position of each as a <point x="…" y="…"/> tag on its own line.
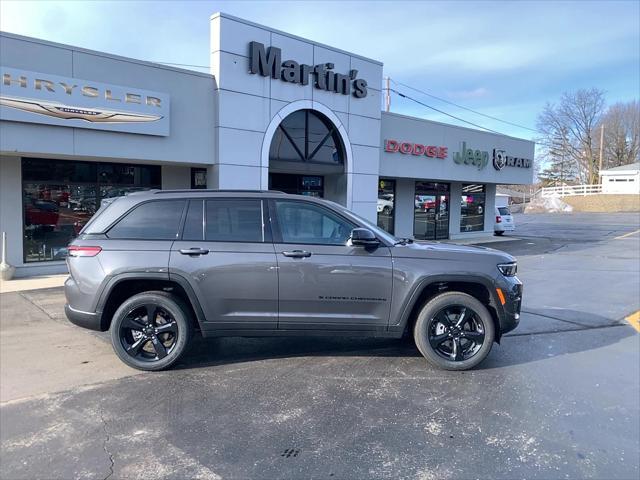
<point x="151" y="330"/>
<point x="454" y="331"/>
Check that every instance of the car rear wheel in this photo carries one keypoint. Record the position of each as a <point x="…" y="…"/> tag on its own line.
<point x="454" y="331"/>
<point x="499" y="233"/>
<point x="151" y="330"/>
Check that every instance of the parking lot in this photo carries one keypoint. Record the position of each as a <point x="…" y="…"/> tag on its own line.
<point x="559" y="398"/>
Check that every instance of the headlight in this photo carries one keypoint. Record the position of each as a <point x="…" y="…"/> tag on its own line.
<point x="508" y="269"/>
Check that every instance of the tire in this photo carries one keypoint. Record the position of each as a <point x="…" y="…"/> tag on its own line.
<point x="155" y="347"/>
<point x="499" y="233"/>
<point x="386" y="210"/>
<point x="431" y="329"/>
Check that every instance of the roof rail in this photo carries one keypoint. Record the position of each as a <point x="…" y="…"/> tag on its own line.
<point x="214" y="190"/>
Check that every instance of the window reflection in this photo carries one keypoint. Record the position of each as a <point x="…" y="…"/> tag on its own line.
<point x="60" y="196"/>
<point x="386" y="202"/>
<point x="472" y="208"/>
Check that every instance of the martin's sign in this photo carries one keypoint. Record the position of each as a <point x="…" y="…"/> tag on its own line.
<point x="34" y="97"/>
<point x="418" y="149"/>
<point x="269" y="63"/>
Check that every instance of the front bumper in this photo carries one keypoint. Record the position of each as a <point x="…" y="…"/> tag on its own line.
<point x="509" y="317"/>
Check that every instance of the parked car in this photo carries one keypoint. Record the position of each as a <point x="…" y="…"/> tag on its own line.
<point x="504" y="221"/>
<point x="155" y="267"/>
<point x="385" y="203"/>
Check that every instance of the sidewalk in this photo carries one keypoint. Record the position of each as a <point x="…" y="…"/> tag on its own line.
<point x="32" y="283"/>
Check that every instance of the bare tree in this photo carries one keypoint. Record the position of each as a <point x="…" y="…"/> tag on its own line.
<point x="575" y="117"/>
<point x="621" y="134"/>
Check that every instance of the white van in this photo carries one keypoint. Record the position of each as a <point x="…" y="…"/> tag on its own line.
<point x="504" y="221"/>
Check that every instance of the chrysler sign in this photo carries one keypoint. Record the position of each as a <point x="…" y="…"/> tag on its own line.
<point x="34" y="97"/>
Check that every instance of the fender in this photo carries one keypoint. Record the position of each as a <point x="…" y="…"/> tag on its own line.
<point x="111" y="283"/>
<point x="424" y="282"/>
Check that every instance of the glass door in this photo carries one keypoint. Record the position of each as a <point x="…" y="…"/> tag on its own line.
<point x="431" y="211"/>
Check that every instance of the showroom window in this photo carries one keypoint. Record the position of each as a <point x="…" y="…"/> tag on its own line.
<point x="60" y="196"/>
<point x="307" y="136"/>
<point x="386" y="204"/>
<point x="472" y="208"/>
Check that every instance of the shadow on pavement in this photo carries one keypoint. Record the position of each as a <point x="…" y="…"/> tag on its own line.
<point x="514" y="350"/>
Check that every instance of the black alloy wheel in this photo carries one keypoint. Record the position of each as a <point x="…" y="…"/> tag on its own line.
<point x="148" y="332"/>
<point x="456" y="333"/>
<point x="151" y="330"/>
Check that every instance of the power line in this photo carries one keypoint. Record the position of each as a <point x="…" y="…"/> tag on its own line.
<point x="443" y="112"/>
<point x="463" y="107"/>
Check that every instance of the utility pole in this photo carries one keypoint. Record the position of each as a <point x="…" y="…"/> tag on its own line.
<point x="601" y="145"/>
<point x="388" y="95"/>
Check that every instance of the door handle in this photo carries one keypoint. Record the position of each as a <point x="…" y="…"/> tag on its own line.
<point x="195" y="251"/>
<point x="297" y="254"/>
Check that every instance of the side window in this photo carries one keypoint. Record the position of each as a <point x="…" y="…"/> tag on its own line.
<point x="309" y="224"/>
<point x="159" y="220"/>
<point x="234" y="220"/>
<point x="194" y="222"/>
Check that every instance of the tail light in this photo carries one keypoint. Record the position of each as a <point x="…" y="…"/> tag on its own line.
<point x="498" y="219"/>
<point x="82" y="251"/>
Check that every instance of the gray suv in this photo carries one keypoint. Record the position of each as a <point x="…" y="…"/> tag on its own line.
<point x="154" y="267"/>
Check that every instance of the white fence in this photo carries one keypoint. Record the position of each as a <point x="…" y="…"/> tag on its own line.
<point x="570" y="190"/>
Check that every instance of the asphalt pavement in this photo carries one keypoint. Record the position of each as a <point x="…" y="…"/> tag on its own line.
<point x="559" y="398"/>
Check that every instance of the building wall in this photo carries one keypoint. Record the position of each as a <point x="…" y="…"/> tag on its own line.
<point x="415" y="130"/>
<point x="627" y="182"/>
<point x="11" y="206"/>
<point x="191" y="118"/>
<point x="243" y="137"/>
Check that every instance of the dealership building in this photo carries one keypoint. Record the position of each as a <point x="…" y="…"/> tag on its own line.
<point x="276" y="112"/>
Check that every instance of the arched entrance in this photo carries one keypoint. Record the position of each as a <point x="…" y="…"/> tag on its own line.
<point x="308" y="153"/>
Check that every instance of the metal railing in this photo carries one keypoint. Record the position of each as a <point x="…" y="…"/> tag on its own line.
<point x="570" y="190"/>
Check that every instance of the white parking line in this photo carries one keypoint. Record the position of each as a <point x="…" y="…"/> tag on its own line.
<point x="627" y="235"/>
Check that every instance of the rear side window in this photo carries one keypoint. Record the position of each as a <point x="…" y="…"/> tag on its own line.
<point x="504" y="211"/>
<point x="159" y="220"/>
<point x="234" y="220"/>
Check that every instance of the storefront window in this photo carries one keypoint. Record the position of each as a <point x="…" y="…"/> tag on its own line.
<point x="431" y="211"/>
<point x="307" y="136"/>
<point x="472" y="208"/>
<point x="386" y="202"/>
<point x="60" y="196"/>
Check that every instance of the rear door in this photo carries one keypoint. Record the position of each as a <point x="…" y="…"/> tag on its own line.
<point x="226" y="254"/>
<point x="324" y="283"/>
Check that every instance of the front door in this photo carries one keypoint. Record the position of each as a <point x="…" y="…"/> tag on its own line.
<point x="431" y="211"/>
<point x="226" y="254"/>
<point x="323" y="282"/>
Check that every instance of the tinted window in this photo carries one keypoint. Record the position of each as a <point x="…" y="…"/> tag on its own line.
<point x="306" y="223"/>
<point x="150" y="221"/>
<point x="234" y="221"/>
<point x="504" y="211"/>
<point x="194" y="223"/>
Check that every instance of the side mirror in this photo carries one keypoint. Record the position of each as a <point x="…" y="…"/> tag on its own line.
<point x="363" y="237"/>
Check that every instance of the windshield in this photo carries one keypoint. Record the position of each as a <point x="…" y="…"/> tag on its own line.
<point x="504" y="211"/>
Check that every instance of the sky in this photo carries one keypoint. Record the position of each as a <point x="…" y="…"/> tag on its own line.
<point x="504" y="59"/>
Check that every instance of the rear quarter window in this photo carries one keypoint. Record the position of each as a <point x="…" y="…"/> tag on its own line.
<point x="157" y="220"/>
